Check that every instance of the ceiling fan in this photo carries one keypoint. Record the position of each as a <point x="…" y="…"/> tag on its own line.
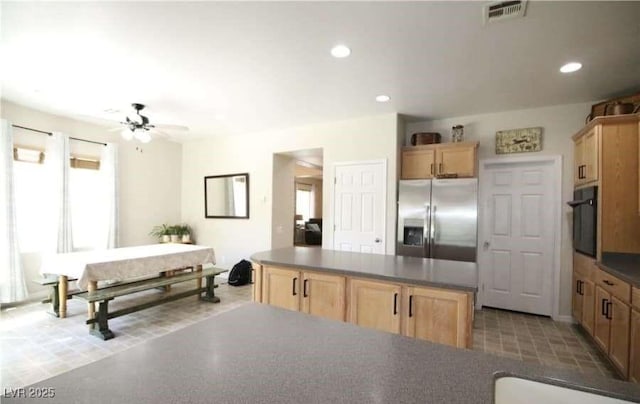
<point x="138" y="126"/>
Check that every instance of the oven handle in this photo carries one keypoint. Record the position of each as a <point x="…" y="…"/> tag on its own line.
<point x="575" y="204"/>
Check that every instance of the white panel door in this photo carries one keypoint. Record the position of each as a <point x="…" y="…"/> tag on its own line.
<point x="359" y="207"/>
<point x="517" y="244"/>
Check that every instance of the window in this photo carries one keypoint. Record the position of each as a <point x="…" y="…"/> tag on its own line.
<point x="89" y="209"/>
<point x="304" y="201"/>
<point x="36" y="216"/>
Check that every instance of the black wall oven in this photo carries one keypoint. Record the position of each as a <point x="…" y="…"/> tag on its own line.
<point x="585" y="216"/>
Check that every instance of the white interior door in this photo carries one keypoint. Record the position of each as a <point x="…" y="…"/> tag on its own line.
<point x="516" y="251"/>
<point x="359" y="207"/>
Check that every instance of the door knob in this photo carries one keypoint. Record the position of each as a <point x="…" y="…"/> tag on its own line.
<point x="377" y="240"/>
<point x="486" y="245"/>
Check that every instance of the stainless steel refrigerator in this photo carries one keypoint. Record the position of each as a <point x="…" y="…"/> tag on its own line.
<point x="438" y="218"/>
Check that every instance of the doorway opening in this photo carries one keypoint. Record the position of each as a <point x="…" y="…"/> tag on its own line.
<point x="297" y="204"/>
<point x="308" y="187"/>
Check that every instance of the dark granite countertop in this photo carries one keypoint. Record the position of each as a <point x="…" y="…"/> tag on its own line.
<point x="624" y="266"/>
<point x="263" y="354"/>
<point x="412" y="270"/>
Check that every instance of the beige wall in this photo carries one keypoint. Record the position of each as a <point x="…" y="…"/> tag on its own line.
<point x="368" y="138"/>
<point x="149" y="178"/>
<point x="559" y="123"/>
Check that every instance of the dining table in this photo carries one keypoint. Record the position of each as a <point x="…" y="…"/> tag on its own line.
<point x="121" y="264"/>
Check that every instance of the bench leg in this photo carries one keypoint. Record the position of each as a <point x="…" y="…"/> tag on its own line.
<point x="198" y="280"/>
<point x="55" y="300"/>
<point x="209" y="294"/>
<point x="91" y="307"/>
<point x="63" y="286"/>
<point x="103" y="332"/>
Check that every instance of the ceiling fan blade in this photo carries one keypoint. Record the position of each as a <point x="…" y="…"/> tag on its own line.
<point x="172" y="127"/>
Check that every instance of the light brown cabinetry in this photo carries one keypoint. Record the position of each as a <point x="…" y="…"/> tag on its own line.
<point x="634" y="348"/>
<point x="620" y="316"/>
<point x="454" y="159"/>
<point x="418" y="164"/>
<point x="375" y="305"/>
<point x="323" y="295"/>
<point x="612" y="319"/>
<point x="438" y="316"/>
<point x="586" y="156"/>
<point x="313" y="293"/>
<point x="583" y="296"/>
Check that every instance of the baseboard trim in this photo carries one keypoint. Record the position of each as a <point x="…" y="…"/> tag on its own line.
<point x="564" y="319"/>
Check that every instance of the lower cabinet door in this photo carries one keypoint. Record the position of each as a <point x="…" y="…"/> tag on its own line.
<point x="634" y="354"/>
<point x="375" y="305"/>
<point x="437" y="315"/>
<point x="620" y="315"/>
<point x="281" y="287"/>
<point x="576" y="301"/>
<point x="601" y="325"/>
<point x="324" y="295"/>
<point x="588" y="305"/>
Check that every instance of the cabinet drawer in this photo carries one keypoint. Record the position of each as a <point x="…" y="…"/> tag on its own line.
<point x="613" y="285"/>
<point x="635" y="299"/>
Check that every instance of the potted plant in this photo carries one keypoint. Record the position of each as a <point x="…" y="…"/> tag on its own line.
<point x="162" y="233"/>
<point x="185" y="231"/>
<point x="174" y="234"/>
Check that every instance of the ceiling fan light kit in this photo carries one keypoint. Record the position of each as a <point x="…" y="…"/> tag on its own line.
<point x="138" y="126"/>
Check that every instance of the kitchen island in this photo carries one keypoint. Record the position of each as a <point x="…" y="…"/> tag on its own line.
<point x="287" y="357"/>
<point x="424" y="298"/>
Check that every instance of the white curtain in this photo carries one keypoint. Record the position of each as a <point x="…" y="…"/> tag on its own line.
<point x="109" y="171"/>
<point x="57" y="158"/>
<point x="12" y="285"/>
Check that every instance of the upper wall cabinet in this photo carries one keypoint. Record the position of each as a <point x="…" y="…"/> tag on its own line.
<point x="440" y="160"/>
<point x="585" y="169"/>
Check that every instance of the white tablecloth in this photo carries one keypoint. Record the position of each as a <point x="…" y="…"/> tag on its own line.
<point x="125" y="263"/>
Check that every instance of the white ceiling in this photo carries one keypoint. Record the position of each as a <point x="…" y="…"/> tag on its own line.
<point x="231" y="67"/>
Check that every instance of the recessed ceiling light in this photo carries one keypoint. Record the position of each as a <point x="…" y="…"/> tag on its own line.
<point x="571" y="67"/>
<point x="383" y="98"/>
<point x="340" y="51"/>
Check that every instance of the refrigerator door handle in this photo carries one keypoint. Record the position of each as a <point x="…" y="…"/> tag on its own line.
<point x="433" y="234"/>
<point x="427" y="233"/>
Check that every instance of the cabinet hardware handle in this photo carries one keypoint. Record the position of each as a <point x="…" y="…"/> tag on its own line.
<point x="609" y="304"/>
<point x="431" y="168"/>
<point x="579" y="287"/>
<point x="294" y="286"/>
<point x="395" y="304"/>
<point x="579" y="172"/>
<point x="608" y="282"/>
<point x="304" y="288"/>
<point x="410" y="305"/>
<point x="603" y="308"/>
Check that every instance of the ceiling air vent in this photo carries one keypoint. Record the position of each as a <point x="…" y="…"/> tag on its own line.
<point x="504" y="10"/>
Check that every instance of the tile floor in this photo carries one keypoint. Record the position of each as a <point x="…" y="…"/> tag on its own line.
<point x="537" y="339"/>
<point x="35" y="345"/>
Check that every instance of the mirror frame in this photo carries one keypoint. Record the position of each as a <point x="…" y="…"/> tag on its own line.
<point x="206" y="213"/>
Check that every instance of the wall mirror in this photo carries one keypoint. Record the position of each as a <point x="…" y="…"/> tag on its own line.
<point x="226" y="196"/>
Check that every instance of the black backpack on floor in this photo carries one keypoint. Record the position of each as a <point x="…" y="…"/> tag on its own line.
<point x="240" y="273"/>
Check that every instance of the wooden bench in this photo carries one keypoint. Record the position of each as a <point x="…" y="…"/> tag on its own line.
<point x="54" y="297"/>
<point x="103" y="296"/>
